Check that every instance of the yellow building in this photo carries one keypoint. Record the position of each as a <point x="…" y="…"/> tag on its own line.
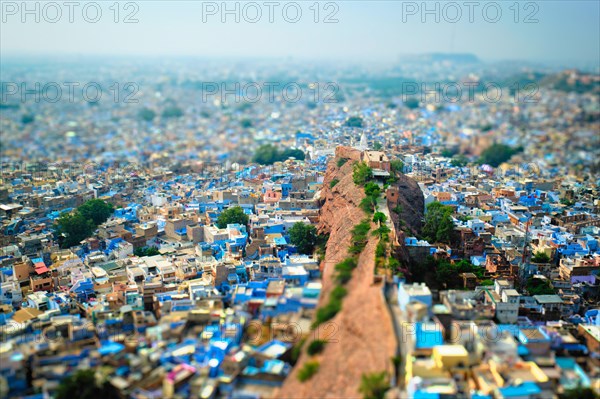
<point x="450" y="356"/>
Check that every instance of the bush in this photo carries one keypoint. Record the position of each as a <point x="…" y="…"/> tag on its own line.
<point x="338" y="293"/>
<point x="361" y="173"/>
<point x="379" y="217"/>
<point x="333" y="182"/>
<point x="380" y="250"/>
<point x="308" y="370"/>
<point x="372" y="189"/>
<point x="374" y="385"/>
<point x="327" y="312"/>
<point x="359" y="236"/>
<point x="341" y="162"/>
<point x="368" y="204"/>
<point x="382" y="231"/>
<point x="296" y="350"/>
<point x="344" y="270"/>
<point x="393" y="263"/>
<point x="316" y="346"/>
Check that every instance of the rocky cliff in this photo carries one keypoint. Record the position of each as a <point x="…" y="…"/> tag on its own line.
<point x="361" y="336"/>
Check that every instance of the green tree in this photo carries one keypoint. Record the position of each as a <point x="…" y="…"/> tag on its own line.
<point x="83" y="385"/>
<point x="397" y="166"/>
<point x="449" y="152"/>
<point x="372" y="189"/>
<point x="379" y="217"/>
<point x="316" y="347"/>
<point x="27" y="118"/>
<point x="459" y="160"/>
<point x="147" y="114"/>
<point x="361" y="173"/>
<point x="246" y="123"/>
<point x="341" y="162"/>
<point x="497" y="154"/>
<point x="579" y="393"/>
<point x="172" y="111"/>
<point x="292" y="153"/>
<point x="540" y="257"/>
<point x="72" y="228"/>
<point x="538" y="286"/>
<point x="308" y="370"/>
<point x="438" y="223"/>
<point x="354" y="121"/>
<point x="412" y="103"/>
<point x="304" y="237"/>
<point x="233" y="215"/>
<point x="97" y="210"/>
<point x="266" y="154"/>
<point x="377" y="146"/>
<point x="374" y="385"/>
<point x="146" y="251"/>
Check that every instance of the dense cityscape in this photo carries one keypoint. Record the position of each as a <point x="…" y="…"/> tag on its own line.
<point x="197" y="227"/>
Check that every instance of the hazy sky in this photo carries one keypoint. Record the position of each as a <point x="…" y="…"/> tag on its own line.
<point x="565" y="31"/>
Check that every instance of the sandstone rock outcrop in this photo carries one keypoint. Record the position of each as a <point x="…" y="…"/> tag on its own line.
<point x="361" y="337"/>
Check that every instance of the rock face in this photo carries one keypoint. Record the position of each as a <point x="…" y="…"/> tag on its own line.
<point x="410" y="202"/>
<point x="361" y="336"/>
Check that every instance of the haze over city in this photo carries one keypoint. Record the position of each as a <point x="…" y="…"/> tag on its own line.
<point x="300" y="200"/>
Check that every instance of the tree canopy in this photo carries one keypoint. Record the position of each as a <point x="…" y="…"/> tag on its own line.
<point x="540" y="257"/>
<point x="146" y="251"/>
<point x="172" y="111"/>
<point x="147" y="114"/>
<point x="233" y="215"/>
<point x="354" y="121"/>
<point x="83" y="385"/>
<point x="73" y="228"/>
<point x="97" y="210"/>
<point x="538" y="286"/>
<point x="397" y="166"/>
<point x="361" y="173"/>
<point x="438" y="223"/>
<point x="497" y="154"/>
<point x="76" y="226"/>
<point x="268" y="154"/>
<point x="304" y="237"/>
<point x="412" y="103"/>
